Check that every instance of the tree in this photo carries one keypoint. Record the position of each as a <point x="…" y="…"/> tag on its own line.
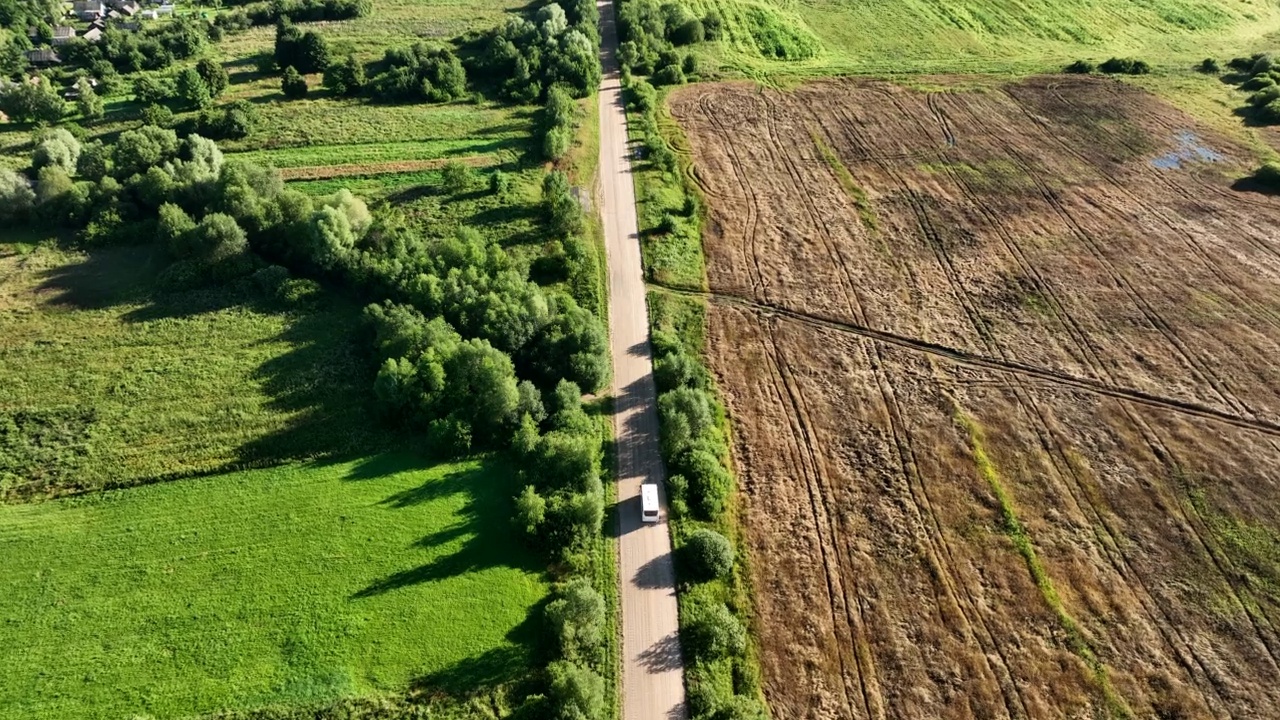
<point x="575" y="692"/>
<point x="712" y="633"/>
<point x="31" y="101"/>
<point x="531" y="510"/>
<point x="313" y="53"/>
<point x="173" y="230"/>
<point x="151" y="90"/>
<point x="740" y="707"/>
<point x="95" y="161"/>
<point x="481" y="388"/>
<point x="345" y="77"/>
<point x="192" y="89"/>
<point x="87" y="101"/>
<point x="16" y="195"/>
<point x="137" y="150"/>
<point x="217" y="237"/>
<point x="214" y="75"/>
<point x="707" y="555"/>
<point x="292" y="84"/>
<point x="576" y="619"/>
<point x="57" y="148"/>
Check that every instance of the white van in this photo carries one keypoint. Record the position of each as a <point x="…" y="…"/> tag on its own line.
<point x="649" y="511"/>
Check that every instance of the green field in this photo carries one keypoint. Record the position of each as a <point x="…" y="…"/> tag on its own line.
<point x="942" y="36"/>
<point x="292" y="585"/>
<point x="111" y="382"/>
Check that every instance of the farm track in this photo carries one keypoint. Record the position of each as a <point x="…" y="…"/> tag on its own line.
<point x="1106" y="324"/>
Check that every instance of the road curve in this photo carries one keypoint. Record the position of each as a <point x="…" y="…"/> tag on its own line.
<point x="652" y="666"/>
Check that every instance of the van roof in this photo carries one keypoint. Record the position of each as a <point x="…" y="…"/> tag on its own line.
<point x="649" y="494"/>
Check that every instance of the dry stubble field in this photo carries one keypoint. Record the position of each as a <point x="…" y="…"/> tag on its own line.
<point x="1000" y="366"/>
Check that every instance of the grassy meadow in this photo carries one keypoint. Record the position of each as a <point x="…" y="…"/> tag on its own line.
<point x="778" y="38"/>
<point x="292" y="585"/>
<point x="110" y="381"/>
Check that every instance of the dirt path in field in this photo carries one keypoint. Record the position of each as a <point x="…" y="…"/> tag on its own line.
<point x="1000" y="365"/>
<point x="653" y="669"/>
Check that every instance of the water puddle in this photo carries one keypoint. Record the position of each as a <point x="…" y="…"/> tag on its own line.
<point x="1189" y="149"/>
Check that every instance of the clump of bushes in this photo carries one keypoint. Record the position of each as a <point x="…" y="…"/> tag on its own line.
<point x="1262" y="79"/>
<point x="419" y="73"/>
<point x="1125" y="66"/>
<point x="1080" y="67"/>
<point x="559" y="121"/>
<point x="707" y="555"/>
<point x="559" y="46"/>
<point x="651" y="33"/>
<point x="1209" y="66"/>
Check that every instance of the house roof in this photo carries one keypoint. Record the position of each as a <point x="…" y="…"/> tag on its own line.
<point x="43" y="55"/>
<point x="63" y="31"/>
<point x="93" y="35"/>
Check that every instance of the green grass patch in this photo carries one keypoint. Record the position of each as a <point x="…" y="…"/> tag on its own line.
<point x="1018" y="535"/>
<point x="670" y="236"/>
<point x="859" y="196"/>
<point x="292" y="585"/>
<point x="764" y="38"/>
<point x="110" y="382"/>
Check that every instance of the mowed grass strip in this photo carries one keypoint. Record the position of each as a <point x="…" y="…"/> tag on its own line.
<point x="166" y="384"/>
<point x="291" y="585"/>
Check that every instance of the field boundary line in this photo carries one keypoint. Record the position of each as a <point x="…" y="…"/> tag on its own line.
<point x="964" y="357"/>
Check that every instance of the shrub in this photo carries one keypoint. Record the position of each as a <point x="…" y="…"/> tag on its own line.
<point x="499" y="183"/>
<point x="1269" y="175"/>
<point x="669" y="75"/>
<point x="95" y="161"/>
<point x="707" y="555"/>
<point x="1262" y="63"/>
<point x="1269" y="113"/>
<point x="1265" y="96"/>
<point x="457" y="177"/>
<point x="1257" y="83"/>
<point x="713" y="633"/>
<point x="1209" y="66"/>
<point x="345" y="77"/>
<point x="678" y="369"/>
<point x="576" y="619"/>
<point x="449" y="437"/>
<point x="574" y="692"/>
<point x="292" y="84"/>
<point x="1080" y="67"/>
<point x="1125" y="66"/>
<point x="740" y="707"/>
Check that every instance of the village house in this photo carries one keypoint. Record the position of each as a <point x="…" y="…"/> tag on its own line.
<point x="63" y="35"/>
<point x="88" y="10"/>
<point x="43" y="57"/>
<point x="92" y="35"/>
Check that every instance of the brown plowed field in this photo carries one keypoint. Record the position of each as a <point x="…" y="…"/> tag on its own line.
<point x="1001" y="368"/>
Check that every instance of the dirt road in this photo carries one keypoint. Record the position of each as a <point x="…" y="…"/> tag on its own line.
<point x="653" y="670"/>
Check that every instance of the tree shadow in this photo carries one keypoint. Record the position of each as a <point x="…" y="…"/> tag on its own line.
<point x="1251" y="184"/>
<point x="498" y="666"/>
<point x="656" y="574"/>
<point x="485" y="530"/>
<point x="321" y="383"/>
<point x="663" y="655"/>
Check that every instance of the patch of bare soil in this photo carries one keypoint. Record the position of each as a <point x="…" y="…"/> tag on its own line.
<point x="1000" y="365"/>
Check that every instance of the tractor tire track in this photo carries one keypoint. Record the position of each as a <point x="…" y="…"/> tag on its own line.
<point x="1110" y="546"/>
<point x="975" y="625"/>
<point x="802" y="445"/>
